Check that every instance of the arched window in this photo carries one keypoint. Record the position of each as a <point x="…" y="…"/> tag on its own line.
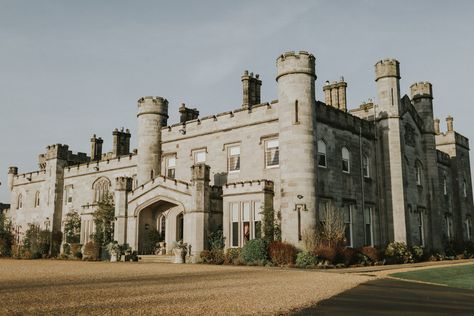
<point x="19" y="204"/>
<point x="418" y="173"/>
<point x="346" y="160"/>
<point x="180" y="227"/>
<point x="322" y="154"/>
<point x="101" y="188"/>
<point x="162" y="225"/>
<point x="37" y="199"/>
<point x="366" y="166"/>
<point x="464" y="188"/>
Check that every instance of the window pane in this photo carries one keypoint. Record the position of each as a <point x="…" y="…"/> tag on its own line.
<point x="246" y="231"/>
<point x="235" y="212"/>
<point x="272" y="143"/>
<point x="246" y="212"/>
<point x="200" y="157"/>
<point x="234" y="151"/>
<point x="235" y="234"/>
<point x="172" y="162"/>
<point x="257" y="216"/>
<point x="322" y="160"/>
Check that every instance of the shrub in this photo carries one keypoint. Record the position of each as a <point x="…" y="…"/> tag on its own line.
<point x="282" y="253"/>
<point x="91" y="251"/>
<point x="6" y="236"/>
<point x="372" y="253"/>
<point x="205" y="256"/>
<point x="254" y="251"/>
<point x="232" y="256"/>
<point x="327" y="253"/>
<point x="417" y="253"/>
<point x="215" y="256"/>
<point x="76" y="251"/>
<point x="216" y="240"/>
<point x="72" y="227"/>
<point x="397" y="252"/>
<point x="67" y="249"/>
<point x="305" y="259"/>
<point x="349" y="256"/>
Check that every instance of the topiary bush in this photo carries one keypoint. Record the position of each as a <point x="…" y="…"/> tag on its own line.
<point x="417" y="253"/>
<point x="282" y="253"/>
<point x="232" y="256"/>
<point x="398" y="252"/>
<point x="306" y="259"/>
<point x="254" y="251"/>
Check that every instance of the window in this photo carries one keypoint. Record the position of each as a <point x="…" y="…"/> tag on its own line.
<point x="469" y="228"/>
<point x="366" y="166"/>
<point x="245" y="222"/>
<point x="348" y="223"/>
<point x="322" y="154"/>
<point x="200" y="156"/>
<point x="233" y="159"/>
<point x="449" y="226"/>
<point x="418" y="173"/>
<point x="464" y="188"/>
<point x="162" y="226"/>
<point x="346" y="160"/>
<point x="234" y="208"/>
<point x="445" y="185"/>
<point x="272" y="153"/>
<point x="368" y="226"/>
<point x="19" y="204"/>
<point x="257" y="220"/>
<point x="101" y="189"/>
<point x="171" y="167"/>
<point x="37" y="199"/>
<point x="421" y="229"/>
<point x="68" y="195"/>
<point x="180" y="227"/>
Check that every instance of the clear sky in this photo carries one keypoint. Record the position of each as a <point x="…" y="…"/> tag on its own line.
<point x="69" y="69"/>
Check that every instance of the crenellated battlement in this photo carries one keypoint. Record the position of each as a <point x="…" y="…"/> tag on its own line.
<point x="422" y="89"/>
<point x="261" y="113"/>
<point x="102" y="165"/>
<point x="387" y="68"/>
<point x="293" y="63"/>
<point x="178" y="185"/>
<point x="29" y="177"/>
<point x="153" y="105"/>
<point x="250" y="186"/>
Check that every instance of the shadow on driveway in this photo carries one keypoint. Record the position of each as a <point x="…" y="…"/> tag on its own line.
<point x="394" y="297"/>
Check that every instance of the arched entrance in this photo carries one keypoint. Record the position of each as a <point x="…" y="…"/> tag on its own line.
<point x="153" y="225"/>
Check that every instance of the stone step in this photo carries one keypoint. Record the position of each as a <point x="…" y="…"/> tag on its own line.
<point x="156" y="258"/>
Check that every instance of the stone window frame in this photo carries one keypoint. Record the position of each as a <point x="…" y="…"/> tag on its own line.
<point x="37" y="199"/>
<point x="322" y="153"/>
<point x="100" y="187"/>
<point x="468" y="227"/>
<point x="254" y="219"/>
<point x="196" y="151"/>
<point x="268" y="152"/>
<point x="464" y="187"/>
<point x="421" y="225"/>
<point x="228" y="149"/>
<point x="170" y="172"/>
<point x="445" y="184"/>
<point x="346" y="160"/>
<point x="366" y="165"/>
<point x="349" y="222"/>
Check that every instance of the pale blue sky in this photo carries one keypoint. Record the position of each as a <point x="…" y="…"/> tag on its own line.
<point x="69" y="69"/>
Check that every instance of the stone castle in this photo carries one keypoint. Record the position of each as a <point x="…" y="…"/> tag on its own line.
<point x="386" y="165"/>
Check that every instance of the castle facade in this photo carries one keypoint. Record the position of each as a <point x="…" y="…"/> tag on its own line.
<point x="386" y="165"/>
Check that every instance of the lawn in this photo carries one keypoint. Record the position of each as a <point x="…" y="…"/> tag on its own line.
<point x="461" y="276"/>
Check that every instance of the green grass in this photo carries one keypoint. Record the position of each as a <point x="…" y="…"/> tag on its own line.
<point x="455" y="276"/>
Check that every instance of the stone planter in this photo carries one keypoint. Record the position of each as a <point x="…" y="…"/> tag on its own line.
<point x="113" y="257"/>
<point x="162" y="248"/>
<point x="179" y="255"/>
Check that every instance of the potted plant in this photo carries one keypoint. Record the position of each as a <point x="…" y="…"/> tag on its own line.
<point x="113" y="249"/>
<point x="180" y="249"/>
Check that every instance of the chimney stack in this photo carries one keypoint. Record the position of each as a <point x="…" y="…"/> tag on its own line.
<point x="335" y="94"/>
<point x="187" y="114"/>
<point x="121" y="142"/>
<point x="251" y="89"/>
<point x="96" y="148"/>
<point x="449" y="123"/>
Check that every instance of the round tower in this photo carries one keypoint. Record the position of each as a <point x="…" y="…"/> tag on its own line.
<point x="387" y="77"/>
<point x="12" y="172"/>
<point x="152" y="116"/>
<point x="297" y="136"/>
<point x="422" y="98"/>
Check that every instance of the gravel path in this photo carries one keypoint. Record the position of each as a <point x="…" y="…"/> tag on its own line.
<point x="98" y="288"/>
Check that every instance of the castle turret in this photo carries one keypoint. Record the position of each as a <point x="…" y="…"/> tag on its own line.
<point x="251" y="89"/>
<point x="12" y="172"/>
<point x="387" y="77"/>
<point x="297" y="118"/>
<point x="422" y="98"/>
<point x="152" y="116"/>
<point x="96" y="148"/>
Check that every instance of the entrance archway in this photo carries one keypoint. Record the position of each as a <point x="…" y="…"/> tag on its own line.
<point x="152" y="226"/>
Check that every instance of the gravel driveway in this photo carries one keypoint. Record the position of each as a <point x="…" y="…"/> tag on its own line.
<point x="75" y="287"/>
